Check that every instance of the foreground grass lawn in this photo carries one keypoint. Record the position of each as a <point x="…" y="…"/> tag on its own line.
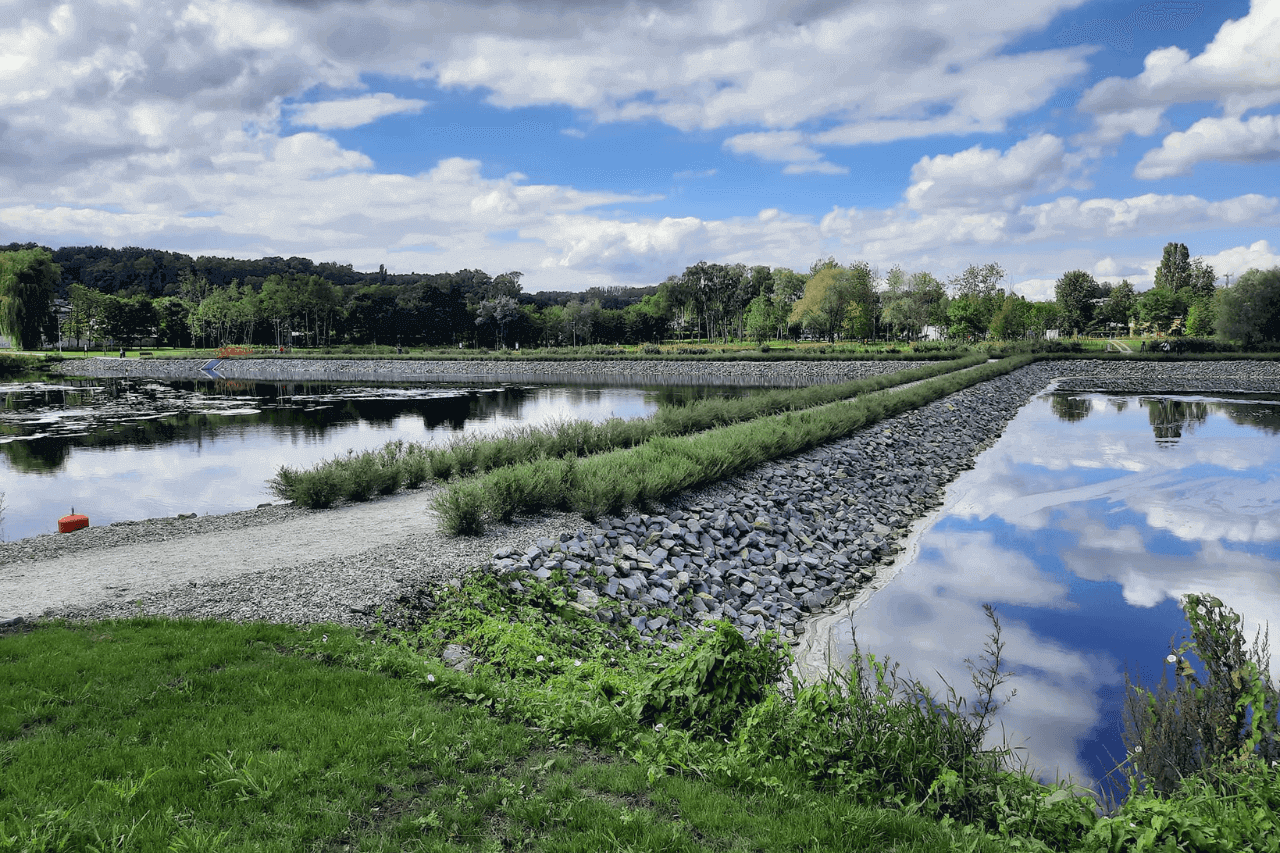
<point x="151" y="734"/>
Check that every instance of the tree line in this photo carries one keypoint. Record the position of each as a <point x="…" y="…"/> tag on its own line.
<point x="92" y="295"/>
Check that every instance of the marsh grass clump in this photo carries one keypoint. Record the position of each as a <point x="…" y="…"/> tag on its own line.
<point x="467" y="457"/>
<point x="461" y="507"/>
<point x="677" y="458"/>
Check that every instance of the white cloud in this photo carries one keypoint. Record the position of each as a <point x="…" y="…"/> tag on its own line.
<point x="1239" y="69"/>
<point x="352" y="112"/>
<point x="787" y="146"/>
<point x="1227" y="139"/>
<point x="1233" y="261"/>
<point x="984" y="177"/>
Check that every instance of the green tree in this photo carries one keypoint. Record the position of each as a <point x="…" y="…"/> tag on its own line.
<point x="82" y="319"/>
<point x="1074" y="293"/>
<point x="1013" y="320"/>
<point x="788" y="288"/>
<point x="1249" y="310"/>
<point x="761" y="319"/>
<point x="500" y="311"/>
<point x="28" y="281"/>
<point x="1202" y="317"/>
<point x="126" y="319"/>
<point x="172" y="319"/>
<point x="981" y="281"/>
<point x="1174" y="272"/>
<point x="1161" y="310"/>
<point x="1121" y="305"/>
<point x="1200" y="281"/>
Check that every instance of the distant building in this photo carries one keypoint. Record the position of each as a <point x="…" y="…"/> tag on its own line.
<point x="933" y="333"/>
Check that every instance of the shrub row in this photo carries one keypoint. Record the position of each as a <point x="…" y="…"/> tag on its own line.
<point x="607" y="483"/>
<point x="358" y="476"/>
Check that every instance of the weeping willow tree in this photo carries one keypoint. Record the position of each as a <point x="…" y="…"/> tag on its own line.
<point x="28" y="280"/>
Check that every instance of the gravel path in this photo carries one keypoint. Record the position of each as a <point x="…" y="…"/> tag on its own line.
<point x="279" y="563"/>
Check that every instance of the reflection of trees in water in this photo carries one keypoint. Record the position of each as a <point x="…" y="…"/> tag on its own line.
<point x="1169" y="417"/>
<point x="112" y="413"/>
<point x="1264" y="416"/>
<point x="1070" y="408"/>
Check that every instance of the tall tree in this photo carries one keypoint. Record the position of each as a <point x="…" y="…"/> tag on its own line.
<point x="1074" y="293"/>
<point x="500" y="311"/>
<point x="1174" y="272"/>
<point x="28" y="281"/>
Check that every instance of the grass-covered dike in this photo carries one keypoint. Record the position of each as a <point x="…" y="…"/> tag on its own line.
<point x="358" y="477"/>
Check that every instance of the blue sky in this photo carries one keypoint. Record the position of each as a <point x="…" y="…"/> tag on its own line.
<point x="616" y="143"/>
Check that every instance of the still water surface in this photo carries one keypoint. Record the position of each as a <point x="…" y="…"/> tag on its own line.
<point x="120" y="450"/>
<point x="1083" y="525"/>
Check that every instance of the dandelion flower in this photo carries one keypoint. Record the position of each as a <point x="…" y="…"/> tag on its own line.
<point x="431" y="676"/>
<point x="539" y="659"/>
<point x="1171" y="659"/>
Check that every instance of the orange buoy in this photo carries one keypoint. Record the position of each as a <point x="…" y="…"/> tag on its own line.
<point x="68" y="523"/>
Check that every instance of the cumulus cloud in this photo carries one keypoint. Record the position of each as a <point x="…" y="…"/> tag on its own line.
<point x="1239" y="69"/>
<point x="352" y="112"/>
<point x="982" y="177"/>
<point x="1224" y="139"/>
<point x="786" y="146"/>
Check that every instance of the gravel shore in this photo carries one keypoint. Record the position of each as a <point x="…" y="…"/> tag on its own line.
<point x="409" y="370"/>
<point x="765" y="550"/>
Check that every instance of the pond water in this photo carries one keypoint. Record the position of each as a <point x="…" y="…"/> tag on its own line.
<point x="116" y="449"/>
<point x="1082" y="525"/>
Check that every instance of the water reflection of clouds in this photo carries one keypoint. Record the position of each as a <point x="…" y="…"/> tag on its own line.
<point x="1085" y="517"/>
<point x="943" y="592"/>
<point x="225" y="466"/>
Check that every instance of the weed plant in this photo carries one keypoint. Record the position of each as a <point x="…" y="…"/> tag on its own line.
<point x="1221" y="706"/>
<point x="358" y="477"/>
<point x="608" y="482"/>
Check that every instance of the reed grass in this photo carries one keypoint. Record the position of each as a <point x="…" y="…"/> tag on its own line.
<point x="358" y="477"/>
<point x="607" y="483"/>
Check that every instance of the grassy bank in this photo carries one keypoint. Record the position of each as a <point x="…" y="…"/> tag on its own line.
<point x="13" y="366"/>
<point x="360" y="476"/>
<point x="156" y="735"/>
<point x="607" y="483"/>
<point x="159" y="736"/>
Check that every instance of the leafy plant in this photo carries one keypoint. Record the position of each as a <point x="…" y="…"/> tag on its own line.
<point x="712" y="684"/>
<point x="1224" y="709"/>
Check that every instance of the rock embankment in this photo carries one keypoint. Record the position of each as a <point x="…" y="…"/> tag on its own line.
<point x="764" y="550"/>
<point x="411" y="370"/>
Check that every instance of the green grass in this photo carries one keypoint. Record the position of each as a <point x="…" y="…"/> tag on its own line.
<point x="15" y="366"/>
<point x="158" y="735"/>
<point x="548" y="452"/>
<point x="609" y="482"/>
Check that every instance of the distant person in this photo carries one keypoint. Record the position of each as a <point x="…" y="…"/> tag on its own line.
<point x="399" y="351"/>
<point x="122" y="352"/>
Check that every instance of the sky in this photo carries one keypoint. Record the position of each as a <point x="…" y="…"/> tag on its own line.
<point x="615" y="143"/>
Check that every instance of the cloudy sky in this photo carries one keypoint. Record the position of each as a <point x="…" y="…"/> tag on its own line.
<point x="617" y="142"/>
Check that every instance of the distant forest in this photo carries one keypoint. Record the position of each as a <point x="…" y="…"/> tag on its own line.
<point x="95" y="294"/>
<point x="132" y="293"/>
